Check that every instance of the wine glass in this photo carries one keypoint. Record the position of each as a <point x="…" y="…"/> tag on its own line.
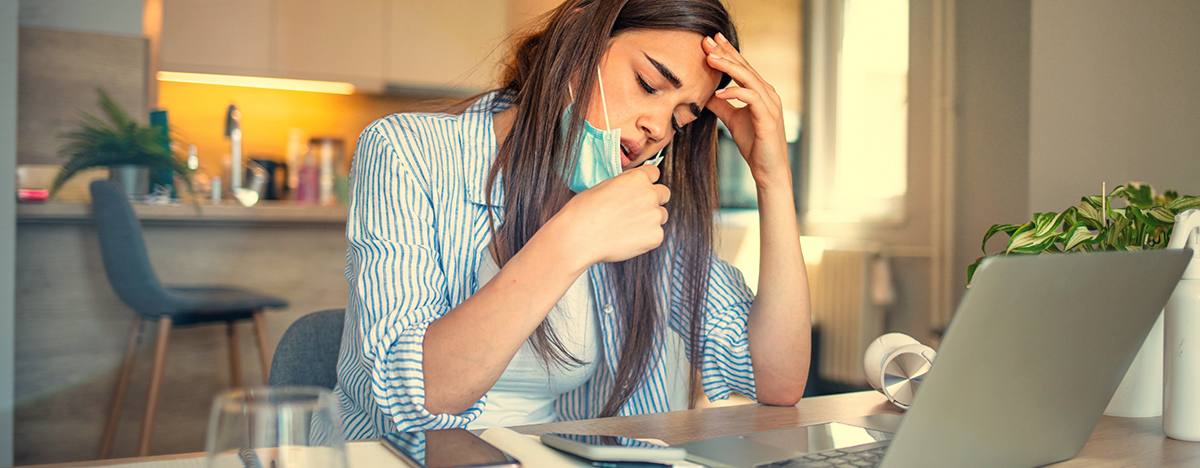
<point x="274" y="427"/>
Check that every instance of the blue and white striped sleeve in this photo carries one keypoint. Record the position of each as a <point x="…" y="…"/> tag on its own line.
<point x="397" y="284"/>
<point x="726" y="365"/>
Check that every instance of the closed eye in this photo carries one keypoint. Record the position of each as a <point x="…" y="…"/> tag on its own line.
<point x="652" y="90"/>
<point x="646" y="86"/>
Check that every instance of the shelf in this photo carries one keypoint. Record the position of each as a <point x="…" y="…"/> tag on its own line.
<point x="265" y="212"/>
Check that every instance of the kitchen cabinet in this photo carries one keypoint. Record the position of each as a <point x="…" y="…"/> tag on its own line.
<point x="231" y="37"/>
<point x="331" y="40"/>
<point x="401" y="45"/>
<point x="448" y="43"/>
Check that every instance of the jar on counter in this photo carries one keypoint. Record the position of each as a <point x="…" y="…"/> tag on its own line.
<point x="323" y="168"/>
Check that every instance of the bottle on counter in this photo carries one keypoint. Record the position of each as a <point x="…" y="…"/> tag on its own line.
<point x="1181" y="367"/>
<point x="308" y="178"/>
<point x="331" y="167"/>
<point x="162" y="181"/>
<point x="293" y="158"/>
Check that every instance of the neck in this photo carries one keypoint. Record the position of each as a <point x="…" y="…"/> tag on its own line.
<point x="502" y="123"/>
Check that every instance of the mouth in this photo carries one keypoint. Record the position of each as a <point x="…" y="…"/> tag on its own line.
<point x="630" y="150"/>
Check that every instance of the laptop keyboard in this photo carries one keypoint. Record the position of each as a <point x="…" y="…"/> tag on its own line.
<point x="858" y="456"/>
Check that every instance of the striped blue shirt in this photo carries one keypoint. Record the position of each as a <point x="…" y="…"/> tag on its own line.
<point x="417" y="229"/>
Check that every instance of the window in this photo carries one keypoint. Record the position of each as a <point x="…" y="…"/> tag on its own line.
<point x="857" y="110"/>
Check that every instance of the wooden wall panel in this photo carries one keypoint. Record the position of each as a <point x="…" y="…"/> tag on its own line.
<point x="59" y="72"/>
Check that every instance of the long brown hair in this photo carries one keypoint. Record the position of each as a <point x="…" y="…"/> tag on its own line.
<point x="565" y="47"/>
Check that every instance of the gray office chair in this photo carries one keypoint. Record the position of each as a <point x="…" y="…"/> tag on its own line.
<point x="308" y="352"/>
<point x="131" y="276"/>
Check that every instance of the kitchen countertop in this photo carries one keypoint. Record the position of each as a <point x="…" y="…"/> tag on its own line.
<point x="228" y="213"/>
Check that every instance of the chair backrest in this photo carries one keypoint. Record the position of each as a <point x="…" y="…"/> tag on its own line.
<point x="124" y="252"/>
<point x="308" y="352"/>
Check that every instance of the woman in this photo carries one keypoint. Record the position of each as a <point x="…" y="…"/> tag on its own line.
<point x="519" y="262"/>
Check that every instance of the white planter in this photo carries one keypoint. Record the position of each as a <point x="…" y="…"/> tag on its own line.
<point x="1141" y="392"/>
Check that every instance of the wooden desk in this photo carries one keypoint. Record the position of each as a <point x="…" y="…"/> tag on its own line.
<point x="1116" y="442"/>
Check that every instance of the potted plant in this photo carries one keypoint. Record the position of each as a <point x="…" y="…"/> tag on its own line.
<point x="130" y="150"/>
<point x="1144" y="221"/>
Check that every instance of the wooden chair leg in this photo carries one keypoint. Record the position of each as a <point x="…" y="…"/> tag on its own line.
<point x="260" y="330"/>
<point x="160" y="360"/>
<point x="114" y="415"/>
<point x="235" y="355"/>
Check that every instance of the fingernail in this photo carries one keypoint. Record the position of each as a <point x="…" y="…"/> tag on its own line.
<point x="718" y="57"/>
<point x="710" y="41"/>
<point x="722" y="37"/>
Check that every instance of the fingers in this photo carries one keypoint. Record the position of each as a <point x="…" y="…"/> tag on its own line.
<point x="759" y="108"/>
<point x="652" y="172"/>
<point x="724" y="57"/>
<point x="736" y="56"/>
<point x="664" y="193"/>
<point x="722" y="108"/>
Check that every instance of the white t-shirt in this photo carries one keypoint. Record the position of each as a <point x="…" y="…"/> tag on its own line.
<point x="526" y="392"/>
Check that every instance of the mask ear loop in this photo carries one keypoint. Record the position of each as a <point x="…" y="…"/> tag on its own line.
<point x="600" y="80"/>
<point x="657" y="159"/>
<point x="603" y="102"/>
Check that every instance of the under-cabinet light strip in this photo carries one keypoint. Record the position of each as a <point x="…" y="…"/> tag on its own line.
<point x="259" y="82"/>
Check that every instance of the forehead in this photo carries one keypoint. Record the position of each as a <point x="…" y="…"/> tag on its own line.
<point x="677" y="50"/>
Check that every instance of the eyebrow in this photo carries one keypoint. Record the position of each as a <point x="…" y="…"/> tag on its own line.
<point x="674" y="80"/>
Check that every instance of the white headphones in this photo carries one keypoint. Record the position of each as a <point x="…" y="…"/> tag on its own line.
<point x="895" y="364"/>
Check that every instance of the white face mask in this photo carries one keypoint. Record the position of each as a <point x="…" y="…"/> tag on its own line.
<point x="599" y="156"/>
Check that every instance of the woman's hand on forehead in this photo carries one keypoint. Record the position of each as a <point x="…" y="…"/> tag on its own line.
<point x="757" y="128"/>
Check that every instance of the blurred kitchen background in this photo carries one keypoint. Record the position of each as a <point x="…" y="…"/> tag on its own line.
<point x="298" y="71"/>
<point x="914" y="125"/>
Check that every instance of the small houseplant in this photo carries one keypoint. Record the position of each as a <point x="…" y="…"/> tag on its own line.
<point x="1144" y="222"/>
<point x="120" y="141"/>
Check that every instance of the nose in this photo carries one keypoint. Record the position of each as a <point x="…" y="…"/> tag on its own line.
<point x="656" y="124"/>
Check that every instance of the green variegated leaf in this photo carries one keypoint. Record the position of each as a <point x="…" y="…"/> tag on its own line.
<point x="1093" y="201"/>
<point x="1137" y="214"/>
<point x="1184" y="203"/>
<point x="1161" y="215"/>
<point x="1044" y="224"/>
<point x="1160" y="237"/>
<point x="1167" y="197"/>
<point x="1028" y="242"/>
<point x="1070" y="217"/>
<point x="1133" y="247"/>
<point x="998" y="228"/>
<point x="1078" y="234"/>
<point x="1138" y="194"/>
<point x="1089" y="214"/>
<point x="971" y="270"/>
<point x="1112" y="237"/>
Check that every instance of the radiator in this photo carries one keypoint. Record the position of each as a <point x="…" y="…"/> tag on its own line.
<point x="850" y="289"/>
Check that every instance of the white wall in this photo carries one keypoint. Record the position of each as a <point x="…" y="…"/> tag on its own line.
<point x="118" y="17"/>
<point x="8" y="163"/>
<point x="1114" y="97"/>
<point x="992" y="124"/>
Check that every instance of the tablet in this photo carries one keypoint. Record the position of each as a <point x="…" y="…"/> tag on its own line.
<point x="612" y="448"/>
<point x="447" y="448"/>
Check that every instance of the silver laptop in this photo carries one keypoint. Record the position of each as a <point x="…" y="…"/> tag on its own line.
<point x="1030" y="361"/>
